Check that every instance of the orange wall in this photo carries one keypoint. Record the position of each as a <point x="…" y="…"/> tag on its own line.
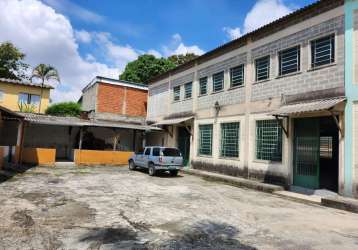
<point x="121" y="100"/>
<point x="94" y="157"/>
<point x="38" y="156"/>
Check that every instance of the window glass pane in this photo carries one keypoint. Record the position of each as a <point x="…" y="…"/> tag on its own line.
<point x="237" y="76"/>
<point x="268" y="140"/>
<point x="23" y="98"/>
<point x="188" y="89"/>
<point x="171" y="152"/>
<point x="176" y="91"/>
<point x="147" y="151"/>
<point x="289" y="61"/>
<point x="35" y="99"/>
<point x="230" y="139"/>
<point x="322" y="51"/>
<point x="262" y="66"/>
<point x="203" y="85"/>
<point x="156" y="151"/>
<point x="218" y="81"/>
<point x="205" y="139"/>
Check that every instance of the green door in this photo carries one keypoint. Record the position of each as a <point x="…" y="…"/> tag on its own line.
<point x="184" y="144"/>
<point x="306" y="153"/>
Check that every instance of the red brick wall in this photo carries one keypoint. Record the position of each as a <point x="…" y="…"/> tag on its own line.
<point x="112" y="98"/>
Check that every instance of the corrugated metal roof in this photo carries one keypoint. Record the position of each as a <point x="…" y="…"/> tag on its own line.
<point x="308" y="106"/>
<point x="6" y="80"/>
<point x="78" y="122"/>
<point x="173" y="121"/>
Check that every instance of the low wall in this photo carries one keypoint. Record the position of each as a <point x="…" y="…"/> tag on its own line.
<point x="37" y="156"/>
<point x="96" y="157"/>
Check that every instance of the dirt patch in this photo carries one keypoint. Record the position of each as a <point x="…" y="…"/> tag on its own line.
<point x="22" y="219"/>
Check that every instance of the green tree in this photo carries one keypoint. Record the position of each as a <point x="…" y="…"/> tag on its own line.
<point x="145" y="68"/>
<point x="11" y="64"/>
<point x="64" y="109"/>
<point x="181" y="59"/>
<point x="45" y="73"/>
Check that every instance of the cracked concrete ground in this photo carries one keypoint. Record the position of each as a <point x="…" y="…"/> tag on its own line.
<point x="113" y="208"/>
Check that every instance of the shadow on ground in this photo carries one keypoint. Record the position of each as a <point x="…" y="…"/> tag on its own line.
<point x="160" y="174"/>
<point x="202" y="235"/>
<point x="9" y="172"/>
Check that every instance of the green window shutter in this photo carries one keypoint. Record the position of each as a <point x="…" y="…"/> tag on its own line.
<point x="218" y="81"/>
<point x="205" y="139"/>
<point x="262" y="66"/>
<point x="188" y="90"/>
<point x="289" y="60"/>
<point x="322" y="51"/>
<point x="268" y="140"/>
<point x="230" y="139"/>
<point x="237" y="76"/>
<point x="203" y="84"/>
<point x="176" y="91"/>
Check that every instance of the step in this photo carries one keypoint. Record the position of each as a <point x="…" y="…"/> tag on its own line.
<point x="235" y="181"/>
<point x="313" y="199"/>
<point x="69" y="164"/>
<point x="342" y="203"/>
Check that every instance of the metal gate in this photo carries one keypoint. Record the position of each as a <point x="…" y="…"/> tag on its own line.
<point x="184" y="144"/>
<point x="306" y="152"/>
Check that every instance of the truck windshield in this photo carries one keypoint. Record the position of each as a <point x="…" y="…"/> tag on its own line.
<point x="170" y="152"/>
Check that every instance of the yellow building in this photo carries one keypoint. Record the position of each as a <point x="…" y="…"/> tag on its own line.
<point x="19" y="95"/>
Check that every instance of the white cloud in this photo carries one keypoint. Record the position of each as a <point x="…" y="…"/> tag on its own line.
<point x="48" y="37"/>
<point x="262" y="13"/>
<point x="177" y="46"/>
<point x="155" y="53"/>
<point x="232" y="33"/>
<point x="72" y="9"/>
<point x="83" y="36"/>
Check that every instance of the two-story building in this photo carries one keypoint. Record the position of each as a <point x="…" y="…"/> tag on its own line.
<point x="18" y="95"/>
<point x="269" y="105"/>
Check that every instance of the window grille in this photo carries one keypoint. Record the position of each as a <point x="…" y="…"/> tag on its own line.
<point x="262" y="66"/>
<point x="218" y="81"/>
<point x="326" y="147"/>
<point x="188" y="89"/>
<point x="176" y="91"/>
<point x="268" y="140"/>
<point x="203" y="84"/>
<point x="230" y="139"/>
<point x="322" y="51"/>
<point x="205" y="139"/>
<point x="237" y="76"/>
<point x="289" y="60"/>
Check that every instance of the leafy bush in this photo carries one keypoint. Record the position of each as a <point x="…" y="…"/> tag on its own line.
<point x="27" y="108"/>
<point x="64" y="109"/>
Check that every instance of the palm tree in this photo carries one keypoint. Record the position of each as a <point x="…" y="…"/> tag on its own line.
<point x="45" y="73"/>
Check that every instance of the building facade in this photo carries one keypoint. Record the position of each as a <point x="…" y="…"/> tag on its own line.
<point x="112" y="99"/>
<point x="18" y="95"/>
<point x="269" y="105"/>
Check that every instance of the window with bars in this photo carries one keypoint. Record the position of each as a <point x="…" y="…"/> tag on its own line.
<point x="322" y="51"/>
<point x="176" y="93"/>
<point x="237" y="76"/>
<point x="230" y="139"/>
<point x="205" y="139"/>
<point x="262" y="67"/>
<point x="25" y="98"/>
<point x="218" y="81"/>
<point x="188" y="90"/>
<point x="268" y="140"/>
<point x="289" y="60"/>
<point x="203" y="86"/>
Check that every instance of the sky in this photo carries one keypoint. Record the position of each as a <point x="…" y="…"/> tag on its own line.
<point x="86" y="38"/>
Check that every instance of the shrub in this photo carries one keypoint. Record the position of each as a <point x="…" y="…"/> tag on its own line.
<point x="64" y="109"/>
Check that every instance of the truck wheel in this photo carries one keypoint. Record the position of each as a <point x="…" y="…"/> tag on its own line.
<point x="151" y="170"/>
<point x="174" y="172"/>
<point x="132" y="165"/>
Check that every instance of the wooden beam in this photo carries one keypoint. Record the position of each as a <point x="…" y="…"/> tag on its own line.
<point x="336" y="122"/>
<point x="285" y="130"/>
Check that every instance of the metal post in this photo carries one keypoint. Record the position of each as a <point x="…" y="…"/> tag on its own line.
<point x="81" y="137"/>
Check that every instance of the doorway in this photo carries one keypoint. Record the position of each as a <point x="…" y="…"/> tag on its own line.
<point x="316" y="153"/>
<point x="184" y="143"/>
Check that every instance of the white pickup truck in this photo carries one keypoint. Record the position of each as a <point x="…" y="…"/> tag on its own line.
<point x="157" y="159"/>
